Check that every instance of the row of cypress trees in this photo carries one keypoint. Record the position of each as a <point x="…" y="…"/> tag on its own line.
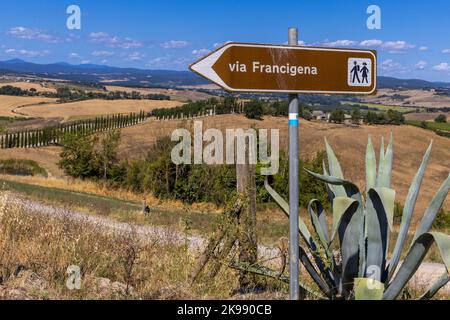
<point x="51" y="135"/>
<point x="203" y="108"/>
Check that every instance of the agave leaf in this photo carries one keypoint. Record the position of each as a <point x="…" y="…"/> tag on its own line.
<point x="379" y="211"/>
<point x="333" y="162"/>
<point x="319" y="221"/>
<point x="368" y="289"/>
<point x="380" y="167"/>
<point x="335" y="170"/>
<point x="330" y="188"/>
<point x="371" y="166"/>
<point x="433" y="208"/>
<point x="436" y="286"/>
<point x="350" y="189"/>
<point x="385" y="167"/>
<point x="341" y="205"/>
<point x="414" y="258"/>
<point x="303" y="229"/>
<point x="304" y="233"/>
<point x="348" y="227"/>
<point x="407" y="213"/>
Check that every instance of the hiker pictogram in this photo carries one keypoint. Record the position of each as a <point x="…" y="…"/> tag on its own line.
<point x="359" y="72"/>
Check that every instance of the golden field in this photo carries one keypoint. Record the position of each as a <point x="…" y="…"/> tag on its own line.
<point x="417" y="97"/>
<point x="11" y="106"/>
<point x="97" y="107"/>
<point x="174" y="94"/>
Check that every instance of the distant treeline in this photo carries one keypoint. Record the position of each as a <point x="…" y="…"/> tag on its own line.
<point x="256" y="109"/>
<point x="65" y="94"/>
<point x="52" y="135"/>
<point x="253" y="109"/>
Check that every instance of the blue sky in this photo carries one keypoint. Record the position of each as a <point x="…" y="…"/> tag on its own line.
<point x="414" y="41"/>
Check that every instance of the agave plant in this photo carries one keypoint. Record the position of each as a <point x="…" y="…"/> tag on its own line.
<point x="356" y="265"/>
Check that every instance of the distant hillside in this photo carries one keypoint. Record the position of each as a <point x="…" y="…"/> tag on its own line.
<point x="102" y="74"/>
<point x="151" y="78"/>
<point x="388" y="82"/>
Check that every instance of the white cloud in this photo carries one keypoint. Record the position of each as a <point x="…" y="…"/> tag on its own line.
<point x="175" y="44"/>
<point x="102" y="53"/>
<point x="26" y="53"/>
<point x="74" y="55"/>
<point x="421" y="65"/>
<point x="135" y="56"/>
<point x="200" y="52"/>
<point x="169" y="62"/>
<point x="397" y="46"/>
<point x="85" y="62"/>
<point x="340" y="43"/>
<point x="33" y="34"/>
<point x="446" y="51"/>
<point x="423" y="48"/>
<point x="443" y="66"/>
<point x="391" y="66"/>
<point x="371" y="43"/>
<point x="115" y="42"/>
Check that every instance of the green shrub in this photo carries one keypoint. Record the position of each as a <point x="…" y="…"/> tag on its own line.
<point x="21" y="168"/>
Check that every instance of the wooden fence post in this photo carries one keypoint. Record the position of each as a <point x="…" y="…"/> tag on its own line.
<point x="246" y="189"/>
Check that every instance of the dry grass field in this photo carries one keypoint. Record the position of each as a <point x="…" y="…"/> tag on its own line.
<point x="422" y="116"/>
<point x="10" y="104"/>
<point x="349" y="143"/>
<point x="419" y="98"/>
<point x="87" y="108"/>
<point x="47" y="158"/>
<point x="40" y="87"/>
<point x="178" y="95"/>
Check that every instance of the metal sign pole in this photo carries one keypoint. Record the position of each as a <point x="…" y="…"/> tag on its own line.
<point x="293" y="186"/>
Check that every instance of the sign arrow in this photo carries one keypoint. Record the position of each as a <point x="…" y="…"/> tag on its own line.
<point x="245" y="67"/>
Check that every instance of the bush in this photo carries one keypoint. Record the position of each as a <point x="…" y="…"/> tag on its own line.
<point x="441" y="118"/>
<point x="21" y="168"/>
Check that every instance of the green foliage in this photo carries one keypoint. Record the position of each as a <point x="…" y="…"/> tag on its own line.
<point x="253" y="110"/>
<point x="21" y="167"/>
<point x="91" y="156"/>
<point x="442" y="118"/>
<point x="337" y="116"/>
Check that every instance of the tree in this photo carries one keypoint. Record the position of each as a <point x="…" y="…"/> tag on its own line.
<point x="108" y="153"/>
<point x="254" y="110"/>
<point x="371" y="117"/>
<point x="78" y="156"/>
<point x="337" y="116"/>
<point x="356" y="116"/>
<point x="441" y="119"/>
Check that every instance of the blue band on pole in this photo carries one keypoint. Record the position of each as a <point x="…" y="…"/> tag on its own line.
<point x="293" y="119"/>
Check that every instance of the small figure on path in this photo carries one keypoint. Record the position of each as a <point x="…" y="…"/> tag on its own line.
<point x="145" y="208"/>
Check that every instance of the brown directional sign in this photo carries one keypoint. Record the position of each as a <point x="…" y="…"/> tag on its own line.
<point x="273" y="68"/>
